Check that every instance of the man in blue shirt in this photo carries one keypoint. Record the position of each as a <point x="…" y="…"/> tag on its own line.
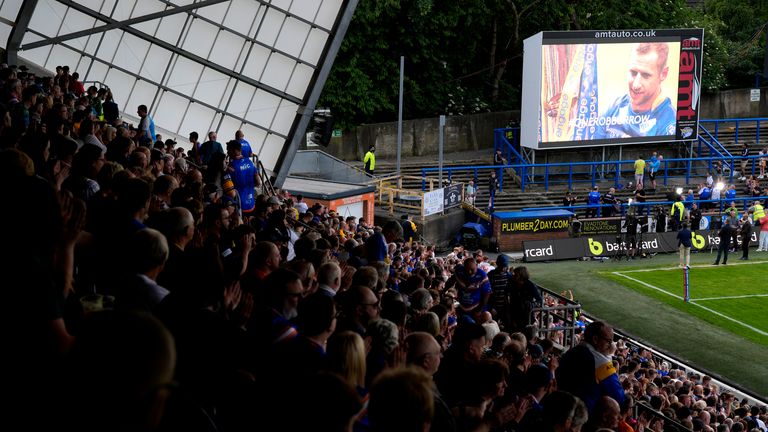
<point x="240" y="137"/>
<point x="643" y="111"/>
<point x="593" y="199"/>
<point x="684" y="244"/>
<point x="146" y="127"/>
<point x="244" y="176"/>
<point x="208" y="148"/>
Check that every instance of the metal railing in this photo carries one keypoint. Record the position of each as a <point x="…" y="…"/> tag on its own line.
<point x="645" y="207"/>
<point x="570" y="173"/>
<point x="561" y="318"/>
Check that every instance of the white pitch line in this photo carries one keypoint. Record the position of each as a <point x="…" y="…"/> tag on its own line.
<point x="756" y="330"/>
<point x="648" y="285"/>
<point x="730" y="297"/>
<point x="703" y="266"/>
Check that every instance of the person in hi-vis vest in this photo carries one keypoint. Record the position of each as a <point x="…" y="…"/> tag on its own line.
<point x="369" y="161"/>
<point x="677" y="213"/>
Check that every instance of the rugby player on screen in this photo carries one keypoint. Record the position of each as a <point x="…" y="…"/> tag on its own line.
<point x="643" y="111"/>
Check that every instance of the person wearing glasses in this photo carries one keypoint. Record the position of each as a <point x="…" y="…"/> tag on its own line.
<point x="587" y="371"/>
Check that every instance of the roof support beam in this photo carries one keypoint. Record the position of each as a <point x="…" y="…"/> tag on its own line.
<point x="18" y="31"/>
<point x="182" y="53"/>
<point x="301" y="122"/>
<point x="120" y="24"/>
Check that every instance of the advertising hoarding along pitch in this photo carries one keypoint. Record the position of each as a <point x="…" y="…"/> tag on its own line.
<point x="611" y="87"/>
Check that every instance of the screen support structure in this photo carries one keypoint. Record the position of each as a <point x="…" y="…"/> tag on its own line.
<point x="304" y="115"/>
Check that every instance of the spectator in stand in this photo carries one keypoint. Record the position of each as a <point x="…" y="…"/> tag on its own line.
<point x="493" y="186"/>
<point x="111" y="111"/>
<point x="569" y="199"/>
<point x="730" y="193"/>
<point x="639" y="171"/>
<point x="587" y="370"/>
<point x="612" y="202"/>
<point x="240" y="137"/>
<point x="593" y="199"/>
<point x="470" y="192"/>
<point x="653" y="168"/>
<point x="498" y="159"/>
<point x="76" y="86"/>
<point x="300" y="205"/>
<point x="208" y="148"/>
<point x="744" y="161"/>
<point x="761" y="161"/>
<point x="705" y="194"/>
<point x="146" y="132"/>
<point x="244" y="175"/>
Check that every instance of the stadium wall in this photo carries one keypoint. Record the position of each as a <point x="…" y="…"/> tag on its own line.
<point x="475" y="132"/>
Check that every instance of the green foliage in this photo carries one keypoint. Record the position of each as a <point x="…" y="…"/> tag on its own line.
<point x="465" y="56"/>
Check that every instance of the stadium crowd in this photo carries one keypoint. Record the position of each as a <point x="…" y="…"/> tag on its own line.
<point x="151" y="290"/>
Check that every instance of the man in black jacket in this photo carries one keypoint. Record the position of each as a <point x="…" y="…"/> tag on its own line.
<point x="725" y="235"/>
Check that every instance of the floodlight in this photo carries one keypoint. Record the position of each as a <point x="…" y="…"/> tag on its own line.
<point x="629" y="201"/>
<point x="719" y="186"/>
<point x="679" y="191"/>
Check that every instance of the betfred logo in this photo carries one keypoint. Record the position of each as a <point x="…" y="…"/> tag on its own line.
<point x="595" y="247"/>
<point x="688" y="88"/>
<point x="691" y="44"/>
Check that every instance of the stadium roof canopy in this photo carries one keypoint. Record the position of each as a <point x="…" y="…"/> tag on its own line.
<point x="222" y="65"/>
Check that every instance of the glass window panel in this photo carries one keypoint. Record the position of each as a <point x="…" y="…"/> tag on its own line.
<point x="254" y="67"/>
<point x="254" y="135"/>
<point x="292" y="37"/>
<point x="148" y="27"/>
<point x="305" y="9"/>
<point x="227" y="49"/>
<point x="300" y="80"/>
<point x="198" y="119"/>
<point x="227" y="129"/>
<point x="78" y="43"/>
<point x="169" y="111"/>
<point x="282" y="4"/>
<point x="270" y="27"/>
<point x="329" y="9"/>
<point x="143" y="94"/>
<point x="108" y="49"/>
<point x="37" y="55"/>
<point x="124" y="9"/>
<point x="314" y="46"/>
<point x="61" y="56"/>
<point x="98" y="72"/>
<point x="131" y="53"/>
<point x="284" y="119"/>
<point x="146" y="7"/>
<point x="240" y="99"/>
<point x="106" y="6"/>
<point x="76" y="21"/>
<point x="263" y="108"/>
<point x="10" y="10"/>
<point x="211" y="87"/>
<point x="5" y="31"/>
<point x="91" y="4"/>
<point x="157" y="62"/>
<point x="215" y="12"/>
<point x="278" y="71"/>
<point x="270" y="151"/>
<point x="171" y="27"/>
<point x="184" y="75"/>
<point x="200" y="38"/>
<point x="47" y="16"/>
<point x="92" y="43"/>
<point x="121" y="84"/>
<point x="241" y="14"/>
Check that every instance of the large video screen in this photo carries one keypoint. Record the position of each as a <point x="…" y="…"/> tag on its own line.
<point x="611" y="87"/>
